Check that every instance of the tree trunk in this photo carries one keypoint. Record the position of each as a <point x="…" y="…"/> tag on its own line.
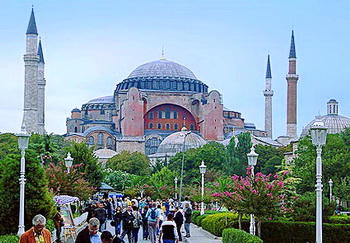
<point x="259" y="228"/>
<point x="240" y="221"/>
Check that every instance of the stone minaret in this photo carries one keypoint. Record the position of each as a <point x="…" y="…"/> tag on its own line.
<point x="292" y="79"/>
<point x="31" y="60"/>
<point x="41" y="91"/>
<point x="268" y="93"/>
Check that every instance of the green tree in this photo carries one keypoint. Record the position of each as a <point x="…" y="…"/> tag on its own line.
<point x="8" y="145"/>
<point x="242" y="149"/>
<point x="134" y="163"/>
<point x="117" y="179"/>
<point x="84" y="155"/>
<point x="37" y="197"/>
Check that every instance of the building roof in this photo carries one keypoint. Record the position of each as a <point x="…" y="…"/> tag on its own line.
<point x="102" y="100"/>
<point x="105" y="153"/>
<point x="100" y="128"/>
<point x="334" y="122"/>
<point x="32" y="30"/>
<point x="179" y="141"/>
<point x="162" y="68"/>
<point x="76" y="110"/>
<point x="40" y="53"/>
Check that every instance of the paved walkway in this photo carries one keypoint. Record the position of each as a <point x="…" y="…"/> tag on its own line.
<point x="198" y="235"/>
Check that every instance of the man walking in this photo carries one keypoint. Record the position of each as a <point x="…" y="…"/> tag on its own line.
<point x="179" y="219"/>
<point x="128" y="219"/>
<point x="101" y="215"/>
<point x="168" y="231"/>
<point x="90" y="233"/>
<point x="188" y="219"/>
<point x="152" y="216"/>
<point x="37" y="233"/>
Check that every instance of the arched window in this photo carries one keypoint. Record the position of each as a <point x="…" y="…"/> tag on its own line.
<point x="167" y="126"/>
<point x="152" y="145"/>
<point x="91" y="140"/>
<point x="75" y="129"/>
<point x="159" y="114"/>
<point x="100" y="139"/>
<point x="191" y="127"/>
<point x="167" y="113"/>
<point x="176" y="127"/>
<point x="151" y="115"/>
<point x="159" y="125"/>
<point x="175" y="114"/>
<point x="150" y="125"/>
<point x="109" y="141"/>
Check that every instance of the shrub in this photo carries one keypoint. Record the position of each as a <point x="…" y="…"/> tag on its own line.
<point x="9" y="238"/>
<point x="217" y="222"/>
<point x="232" y="235"/>
<point x="339" y="219"/>
<point x="50" y="225"/>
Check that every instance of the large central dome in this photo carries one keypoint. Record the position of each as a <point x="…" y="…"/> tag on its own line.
<point x="163" y="75"/>
<point x="162" y="68"/>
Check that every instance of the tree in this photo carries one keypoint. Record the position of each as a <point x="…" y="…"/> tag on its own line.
<point x="37" y="197"/>
<point x="63" y="183"/>
<point x="243" y="148"/>
<point x="117" y="179"/>
<point x="134" y="163"/>
<point x="84" y="155"/>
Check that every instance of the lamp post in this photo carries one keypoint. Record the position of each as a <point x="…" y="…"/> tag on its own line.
<point x="330" y="189"/>
<point x="202" y="170"/>
<point x="141" y="192"/>
<point x="252" y="159"/>
<point x="318" y="136"/>
<point x="176" y="180"/>
<point x="185" y="134"/>
<point x="23" y="140"/>
<point x="68" y="161"/>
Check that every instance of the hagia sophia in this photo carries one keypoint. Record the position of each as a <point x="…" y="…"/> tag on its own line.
<point x="159" y="105"/>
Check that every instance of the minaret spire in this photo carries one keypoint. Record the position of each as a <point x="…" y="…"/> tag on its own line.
<point x="41" y="90"/>
<point x="292" y="79"/>
<point x="32" y="25"/>
<point x="268" y="93"/>
<point x="40" y="52"/>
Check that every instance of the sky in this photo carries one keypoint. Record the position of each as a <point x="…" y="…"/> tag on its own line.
<point x="90" y="46"/>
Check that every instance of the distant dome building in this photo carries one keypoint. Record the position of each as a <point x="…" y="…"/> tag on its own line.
<point x="104" y="154"/>
<point x="334" y="122"/>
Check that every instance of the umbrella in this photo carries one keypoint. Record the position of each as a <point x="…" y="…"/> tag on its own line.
<point x="64" y="199"/>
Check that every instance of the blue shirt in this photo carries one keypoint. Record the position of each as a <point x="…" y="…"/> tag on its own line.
<point x="148" y="215"/>
<point x="96" y="238"/>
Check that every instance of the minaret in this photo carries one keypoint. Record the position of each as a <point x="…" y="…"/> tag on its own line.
<point x="31" y="60"/>
<point x="292" y="79"/>
<point x="268" y="93"/>
<point x="41" y="90"/>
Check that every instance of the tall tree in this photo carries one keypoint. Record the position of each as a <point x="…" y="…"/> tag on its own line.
<point x="243" y="148"/>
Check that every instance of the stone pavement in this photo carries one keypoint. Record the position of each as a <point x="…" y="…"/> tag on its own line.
<point x="198" y="235"/>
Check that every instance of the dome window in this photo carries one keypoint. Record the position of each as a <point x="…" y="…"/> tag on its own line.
<point x="150" y="125"/>
<point x="91" y="140"/>
<point x="159" y="126"/>
<point x="100" y="139"/>
<point x="167" y="126"/>
<point x="151" y="115"/>
<point x="176" y="126"/>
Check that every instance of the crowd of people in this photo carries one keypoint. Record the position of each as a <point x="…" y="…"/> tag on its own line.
<point x="157" y="219"/>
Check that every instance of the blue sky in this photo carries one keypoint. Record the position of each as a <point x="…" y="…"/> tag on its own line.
<point x="90" y="46"/>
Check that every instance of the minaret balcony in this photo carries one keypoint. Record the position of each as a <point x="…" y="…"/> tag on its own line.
<point x="268" y="93"/>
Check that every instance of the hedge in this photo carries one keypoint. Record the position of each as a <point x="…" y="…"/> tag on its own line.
<point x="339" y="219"/>
<point x="232" y="235"/>
<point x="9" y="238"/>
<point x="278" y="231"/>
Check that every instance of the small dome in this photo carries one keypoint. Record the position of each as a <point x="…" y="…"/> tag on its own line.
<point x="162" y="68"/>
<point x="76" y="110"/>
<point x="105" y="153"/>
<point x="174" y="143"/>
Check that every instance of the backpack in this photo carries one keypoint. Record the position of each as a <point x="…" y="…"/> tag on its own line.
<point x="153" y="213"/>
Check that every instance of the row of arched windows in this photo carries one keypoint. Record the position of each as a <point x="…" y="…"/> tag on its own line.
<point x="167" y="114"/>
<point x="167" y="126"/>
<point x="91" y="140"/>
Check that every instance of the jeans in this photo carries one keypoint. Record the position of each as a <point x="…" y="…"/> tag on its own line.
<point x="152" y="231"/>
<point x="159" y="225"/>
<point x="178" y="227"/>
<point x="145" y="230"/>
<point x="187" y="229"/>
<point x="135" y="234"/>
<point x="168" y="241"/>
<point x="102" y="226"/>
<point x="118" y="226"/>
<point x="58" y="234"/>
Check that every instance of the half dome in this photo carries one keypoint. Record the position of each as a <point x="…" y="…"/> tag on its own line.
<point x="176" y="142"/>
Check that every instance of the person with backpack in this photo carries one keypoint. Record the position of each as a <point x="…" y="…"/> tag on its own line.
<point x="152" y="221"/>
<point x="144" y="222"/>
<point x="188" y="219"/>
<point x="128" y="223"/>
<point x="168" y="231"/>
<point x="136" y="224"/>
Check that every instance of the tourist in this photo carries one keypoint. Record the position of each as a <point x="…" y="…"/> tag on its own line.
<point x="161" y="217"/>
<point x="136" y="224"/>
<point x="144" y="222"/>
<point x="90" y="233"/>
<point x="152" y="221"/>
<point x="178" y="218"/>
<point x="58" y="221"/>
<point x="184" y="203"/>
<point x="106" y="237"/>
<point x="128" y="219"/>
<point x="117" y="218"/>
<point x="168" y="231"/>
<point x="188" y="219"/>
<point x="101" y="214"/>
<point x="37" y="233"/>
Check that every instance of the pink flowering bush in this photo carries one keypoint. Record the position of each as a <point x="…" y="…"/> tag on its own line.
<point x="261" y="195"/>
<point x="63" y="183"/>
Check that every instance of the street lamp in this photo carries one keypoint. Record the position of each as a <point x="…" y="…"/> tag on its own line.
<point x="176" y="180"/>
<point x="252" y="159"/>
<point x="318" y="136"/>
<point x="23" y="140"/>
<point x="141" y="192"/>
<point x="202" y="170"/>
<point x="68" y="161"/>
<point x="330" y="189"/>
<point x="185" y="134"/>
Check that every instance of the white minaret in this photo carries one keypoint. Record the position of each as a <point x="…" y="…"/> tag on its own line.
<point x="41" y="90"/>
<point x="268" y="93"/>
<point x="31" y="60"/>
